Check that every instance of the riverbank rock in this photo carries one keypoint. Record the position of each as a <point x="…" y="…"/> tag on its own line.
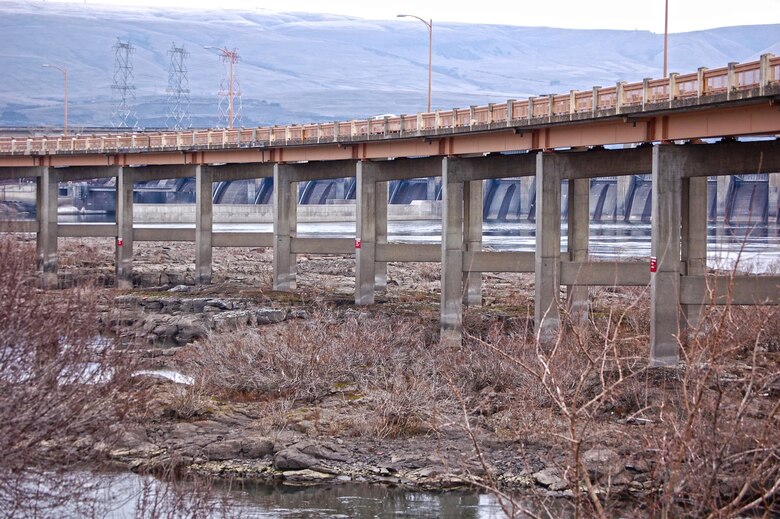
<point x="549" y="477"/>
<point x="602" y="462"/>
<point x="176" y="321"/>
<point x="307" y="454"/>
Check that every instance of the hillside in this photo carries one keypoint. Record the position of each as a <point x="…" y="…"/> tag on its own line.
<point x="304" y="67"/>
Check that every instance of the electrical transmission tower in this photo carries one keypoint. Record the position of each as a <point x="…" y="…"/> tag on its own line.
<point x="178" y="117"/>
<point x="123" y="89"/>
<point x="230" y="90"/>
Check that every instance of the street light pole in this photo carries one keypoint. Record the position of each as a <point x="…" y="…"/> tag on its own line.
<point x="666" y="37"/>
<point x="65" y="78"/>
<point x="429" y="25"/>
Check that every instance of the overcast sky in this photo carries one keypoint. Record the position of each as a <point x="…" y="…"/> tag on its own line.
<point x="684" y="15"/>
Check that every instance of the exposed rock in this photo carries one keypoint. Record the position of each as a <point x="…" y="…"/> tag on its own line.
<point x="308" y="454"/>
<point x="223" y="450"/>
<point x="269" y="315"/>
<point x="256" y="446"/>
<point x="602" y="462"/>
<point x="306" y="475"/>
<point x="293" y="459"/>
<point x="550" y="478"/>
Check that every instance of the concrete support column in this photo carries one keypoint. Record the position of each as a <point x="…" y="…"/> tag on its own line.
<point x="380" y="227"/>
<point x="451" y="254"/>
<point x="46" y="201"/>
<point x="665" y="315"/>
<point x="285" y="224"/>
<point x="548" y="245"/>
<point x="124" y="228"/>
<point x="204" y="223"/>
<point x="472" y="209"/>
<point x="578" y="234"/>
<point x="694" y="236"/>
<point x="366" y="231"/>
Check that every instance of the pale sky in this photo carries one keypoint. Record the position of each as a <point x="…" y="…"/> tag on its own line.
<point x="684" y="15"/>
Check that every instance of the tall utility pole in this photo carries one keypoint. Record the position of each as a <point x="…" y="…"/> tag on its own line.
<point x="178" y="90"/>
<point x="123" y="88"/>
<point x="230" y="89"/>
<point x="429" y="25"/>
<point x="666" y="38"/>
<point x="65" y="79"/>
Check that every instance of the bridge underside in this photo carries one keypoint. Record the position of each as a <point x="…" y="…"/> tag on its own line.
<point x="566" y="183"/>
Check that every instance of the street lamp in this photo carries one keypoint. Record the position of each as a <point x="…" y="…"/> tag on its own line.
<point x="65" y="76"/>
<point x="429" y="25"/>
<point x="231" y="57"/>
<point x="666" y="37"/>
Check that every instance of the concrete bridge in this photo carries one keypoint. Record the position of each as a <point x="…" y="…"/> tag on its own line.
<point x="667" y="127"/>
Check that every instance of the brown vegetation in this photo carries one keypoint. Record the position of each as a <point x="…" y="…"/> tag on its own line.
<point x="59" y="392"/>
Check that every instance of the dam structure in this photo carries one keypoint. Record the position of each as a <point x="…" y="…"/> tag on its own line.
<point x="679" y="130"/>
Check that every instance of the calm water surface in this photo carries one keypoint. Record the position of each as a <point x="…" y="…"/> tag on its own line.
<point x="122" y="496"/>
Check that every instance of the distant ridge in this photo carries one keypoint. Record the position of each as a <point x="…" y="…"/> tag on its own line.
<point x="314" y="68"/>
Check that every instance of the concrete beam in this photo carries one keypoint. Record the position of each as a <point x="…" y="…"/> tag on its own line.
<point x="595" y="163"/>
<point x="243" y="239"/>
<point x="87" y="230"/>
<point x="322" y="245"/>
<point x="497" y="166"/>
<point x="324" y="170"/>
<point x="229" y="172"/>
<point x="408" y="252"/>
<point x="737" y="290"/>
<point x="80" y="173"/>
<point x="21" y="172"/>
<point x="164" y="172"/>
<point x="486" y="261"/>
<point x="19" y="226"/>
<point x="607" y="274"/>
<point x="732" y="158"/>
<point x="164" y="234"/>
<point x="405" y="169"/>
<point x="669" y="163"/>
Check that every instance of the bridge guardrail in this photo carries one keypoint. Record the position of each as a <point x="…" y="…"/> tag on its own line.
<point x="649" y="92"/>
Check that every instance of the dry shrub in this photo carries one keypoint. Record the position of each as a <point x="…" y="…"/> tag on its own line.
<point x="60" y="389"/>
<point x="716" y="450"/>
<point x="706" y="430"/>
<point x="307" y="360"/>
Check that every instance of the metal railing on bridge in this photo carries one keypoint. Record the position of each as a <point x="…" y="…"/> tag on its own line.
<point x="650" y="94"/>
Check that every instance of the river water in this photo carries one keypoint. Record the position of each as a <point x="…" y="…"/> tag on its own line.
<point x="126" y="496"/>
